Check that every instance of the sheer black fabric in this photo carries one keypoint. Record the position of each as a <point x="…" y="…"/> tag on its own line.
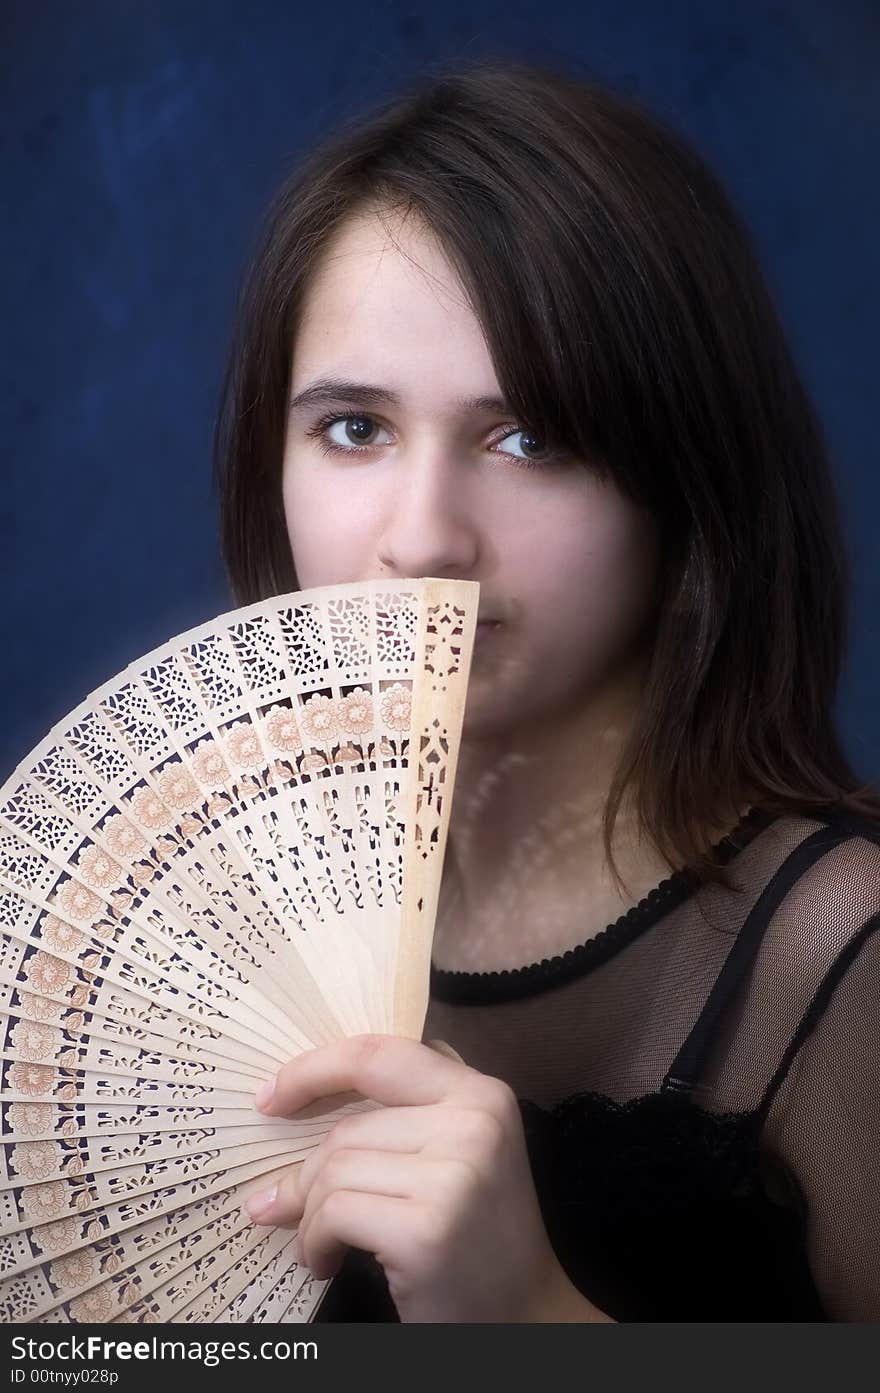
<point x="698" y="1085"/>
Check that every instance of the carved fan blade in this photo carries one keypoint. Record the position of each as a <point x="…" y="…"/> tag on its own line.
<point x="226" y="855"/>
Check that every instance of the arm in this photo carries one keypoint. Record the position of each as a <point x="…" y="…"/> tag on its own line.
<point x="830" y="1132"/>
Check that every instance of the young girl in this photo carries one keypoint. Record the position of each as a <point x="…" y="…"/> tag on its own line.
<point x="510" y="330"/>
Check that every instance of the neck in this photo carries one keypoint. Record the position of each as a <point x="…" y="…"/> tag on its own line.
<point x="520" y="801"/>
<point x="525" y="864"/>
<point x="526" y="874"/>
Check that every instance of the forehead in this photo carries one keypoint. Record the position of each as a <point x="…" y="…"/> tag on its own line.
<point x="383" y="251"/>
<point x="383" y="302"/>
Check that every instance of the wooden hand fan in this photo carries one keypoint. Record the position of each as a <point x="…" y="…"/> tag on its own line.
<point x="228" y="854"/>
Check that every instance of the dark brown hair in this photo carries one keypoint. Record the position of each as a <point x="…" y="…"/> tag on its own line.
<point x="629" y="324"/>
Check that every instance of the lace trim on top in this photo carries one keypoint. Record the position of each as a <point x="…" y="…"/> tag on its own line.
<point x="508" y="984"/>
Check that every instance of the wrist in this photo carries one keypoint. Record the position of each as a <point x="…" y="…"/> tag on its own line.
<point x="558" y="1301"/>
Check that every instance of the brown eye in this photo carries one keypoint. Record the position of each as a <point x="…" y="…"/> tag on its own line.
<point x="357" y="429"/>
<point x="352" y="439"/>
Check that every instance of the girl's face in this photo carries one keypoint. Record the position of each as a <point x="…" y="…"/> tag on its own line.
<point x="420" y="481"/>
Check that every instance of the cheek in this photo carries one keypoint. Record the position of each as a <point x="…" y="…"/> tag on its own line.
<point x="324" y="536"/>
<point x="603" y="579"/>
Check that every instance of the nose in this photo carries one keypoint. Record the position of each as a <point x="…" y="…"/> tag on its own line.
<point x="429" y="527"/>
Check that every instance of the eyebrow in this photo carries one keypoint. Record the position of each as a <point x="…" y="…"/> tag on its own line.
<point x="328" y="389"/>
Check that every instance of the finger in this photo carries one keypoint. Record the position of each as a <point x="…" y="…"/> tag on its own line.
<point x="433" y="1188"/>
<point x="435" y="1128"/>
<point x="325" y="1109"/>
<point x="281" y="1196"/>
<point x="387" y="1129"/>
<point x="443" y="1047"/>
<point x="386" y="1068"/>
<point x="254" y="1192"/>
<point x="352" y="1219"/>
<point x="386" y="1173"/>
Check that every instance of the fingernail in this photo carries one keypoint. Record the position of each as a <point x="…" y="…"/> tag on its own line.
<point x="264" y="1095"/>
<point x="258" y="1204"/>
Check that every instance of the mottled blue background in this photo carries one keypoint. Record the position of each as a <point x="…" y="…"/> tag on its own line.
<point x="141" y="142"/>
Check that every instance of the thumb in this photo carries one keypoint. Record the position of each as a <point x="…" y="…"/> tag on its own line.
<point x="442" y="1047"/>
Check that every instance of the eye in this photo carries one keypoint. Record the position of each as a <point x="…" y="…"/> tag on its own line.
<point x="354" y="433"/>
<point x="540" y="454"/>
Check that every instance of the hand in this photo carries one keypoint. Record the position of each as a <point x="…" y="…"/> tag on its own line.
<point x="436" y="1184"/>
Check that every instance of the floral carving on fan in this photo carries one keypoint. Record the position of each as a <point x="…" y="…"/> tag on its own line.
<point x="149" y="809"/>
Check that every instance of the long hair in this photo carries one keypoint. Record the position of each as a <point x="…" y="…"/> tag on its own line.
<point x="629" y="325"/>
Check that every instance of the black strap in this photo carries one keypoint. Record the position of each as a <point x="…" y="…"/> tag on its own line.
<point x="814" y="1011"/>
<point x="685" y="1068"/>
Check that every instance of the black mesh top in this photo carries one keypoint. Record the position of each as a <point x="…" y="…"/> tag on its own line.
<point x="699" y="1088"/>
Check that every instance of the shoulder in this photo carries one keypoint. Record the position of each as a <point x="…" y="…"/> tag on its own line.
<point x="823" y="901"/>
<point x="820" y="984"/>
<point x="829" y="874"/>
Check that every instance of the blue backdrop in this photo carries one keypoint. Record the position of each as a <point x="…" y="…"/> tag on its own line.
<point x="141" y="143"/>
